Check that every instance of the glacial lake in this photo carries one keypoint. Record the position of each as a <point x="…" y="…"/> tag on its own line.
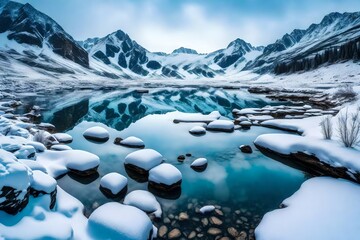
<point x="246" y="186"/>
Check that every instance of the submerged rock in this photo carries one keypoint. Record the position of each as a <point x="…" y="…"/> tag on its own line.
<point x="246" y="149"/>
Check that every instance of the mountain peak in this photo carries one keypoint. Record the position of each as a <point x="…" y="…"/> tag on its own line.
<point x="184" y="50"/>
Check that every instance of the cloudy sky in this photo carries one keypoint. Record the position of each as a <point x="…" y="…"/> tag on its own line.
<point x="205" y="25"/>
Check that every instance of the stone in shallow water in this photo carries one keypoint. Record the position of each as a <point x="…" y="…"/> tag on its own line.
<point x="97" y="133"/>
<point x="214" y="231"/>
<point x="63" y="137"/>
<point x="143" y="160"/>
<point x="117" y="221"/>
<point x="197" y="130"/>
<point x="132" y="142"/>
<point x="81" y="162"/>
<point x="207" y="209"/>
<point x="175" y="233"/>
<point x="221" y="126"/>
<point x="165" y="177"/>
<point x="113" y="184"/>
<point x="199" y="164"/>
<point x="246" y="149"/>
<point x="60" y="147"/>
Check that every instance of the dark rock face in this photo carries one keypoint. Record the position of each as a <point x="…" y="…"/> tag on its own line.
<point x="165" y="188"/>
<point x="36" y="193"/>
<point x="84" y="173"/>
<point x="153" y="65"/>
<point x="12" y="203"/>
<point x="29" y="26"/>
<point x="109" y="194"/>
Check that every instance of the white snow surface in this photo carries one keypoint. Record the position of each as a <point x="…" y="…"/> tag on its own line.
<point x="323" y="209"/>
<point x="58" y="162"/>
<point x="145" y="201"/>
<point x="43" y="182"/>
<point x="144" y="158"/>
<point x="115" y="182"/>
<point x="166" y="174"/>
<point x="117" y="221"/>
<point x="13" y="173"/>
<point x="197" y="130"/>
<point x="63" y="137"/>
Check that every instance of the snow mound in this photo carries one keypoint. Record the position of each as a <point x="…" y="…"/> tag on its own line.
<point x="39" y="147"/>
<point x="117" y="221"/>
<point x="207" y="209"/>
<point x="323" y="208"/>
<point x="165" y="174"/>
<point x="199" y="163"/>
<point x="133" y="142"/>
<point x="33" y="165"/>
<point x="197" y="130"/>
<point x="81" y="160"/>
<point x="60" y="147"/>
<point x="26" y="152"/>
<point x="42" y="182"/>
<point x="97" y="134"/>
<point x="63" y="137"/>
<point x="145" y="159"/>
<point x="114" y="182"/>
<point x="145" y="201"/>
<point x="221" y="125"/>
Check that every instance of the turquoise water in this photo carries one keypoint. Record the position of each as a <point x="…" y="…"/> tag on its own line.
<point x="232" y="180"/>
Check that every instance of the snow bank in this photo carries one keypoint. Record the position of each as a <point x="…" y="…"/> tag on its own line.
<point x="114" y="182"/>
<point x="165" y="174"/>
<point x="97" y="134"/>
<point x="323" y="208"/>
<point x="330" y="152"/>
<point x="145" y="201"/>
<point x="144" y="159"/>
<point x="116" y="221"/>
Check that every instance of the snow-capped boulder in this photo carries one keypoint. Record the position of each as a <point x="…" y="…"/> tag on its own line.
<point x="145" y="201"/>
<point x="207" y="209"/>
<point x="113" y="184"/>
<point x="96" y="133"/>
<point x="42" y="184"/>
<point x="39" y="147"/>
<point x="46" y="126"/>
<point x="132" y="142"/>
<point x="197" y="130"/>
<point x="26" y="152"/>
<point x="63" y="137"/>
<point x="199" y="164"/>
<point x="15" y="180"/>
<point x="60" y="147"/>
<point x="81" y="162"/>
<point x="165" y="177"/>
<point x="117" y="221"/>
<point x="142" y="161"/>
<point x="245" y="124"/>
<point x="221" y="126"/>
<point x="261" y="118"/>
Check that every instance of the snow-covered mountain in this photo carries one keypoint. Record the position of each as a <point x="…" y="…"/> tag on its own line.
<point x="32" y="45"/>
<point x="334" y="39"/>
<point x="119" y="51"/>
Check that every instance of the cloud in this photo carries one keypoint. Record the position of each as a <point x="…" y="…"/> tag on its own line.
<point x="163" y="25"/>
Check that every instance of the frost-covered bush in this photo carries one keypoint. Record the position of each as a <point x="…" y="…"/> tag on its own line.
<point x="349" y="128"/>
<point x="326" y="127"/>
<point x="346" y="91"/>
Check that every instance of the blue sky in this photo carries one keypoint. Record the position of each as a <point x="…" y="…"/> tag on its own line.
<point x="205" y="25"/>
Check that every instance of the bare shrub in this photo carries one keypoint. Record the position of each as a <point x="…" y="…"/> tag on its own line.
<point x="346" y="91"/>
<point x="326" y="127"/>
<point x="349" y="128"/>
